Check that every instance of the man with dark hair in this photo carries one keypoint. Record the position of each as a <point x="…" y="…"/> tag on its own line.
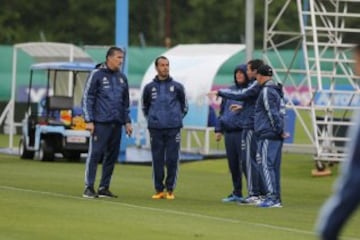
<point x="269" y="130"/>
<point x="231" y="124"/>
<point x="160" y="58"/>
<point x="106" y="109"/>
<point x="253" y="66"/>
<point x="248" y="96"/>
<point x="164" y="105"/>
<point x="346" y="199"/>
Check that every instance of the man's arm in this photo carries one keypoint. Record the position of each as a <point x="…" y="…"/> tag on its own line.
<point x="145" y="101"/>
<point x="126" y="100"/>
<point x="251" y="92"/>
<point x="183" y="101"/>
<point x="218" y="128"/>
<point x="271" y="102"/>
<point x="89" y="96"/>
<point x="337" y="210"/>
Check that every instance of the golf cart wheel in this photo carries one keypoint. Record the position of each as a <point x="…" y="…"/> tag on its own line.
<point x="46" y="152"/>
<point x="320" y="166"/>
<point x="23" y="152"/>
<point x="72" y="155"/>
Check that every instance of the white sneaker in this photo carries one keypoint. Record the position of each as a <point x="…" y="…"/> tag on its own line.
<point x="251" y="200"/>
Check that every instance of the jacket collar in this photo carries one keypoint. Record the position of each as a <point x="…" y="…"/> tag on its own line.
<point x="105" y="68"/>
<point x="156" y="79"/>
<point x="269" y="82"/>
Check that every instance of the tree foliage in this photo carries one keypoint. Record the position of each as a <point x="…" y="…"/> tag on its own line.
<point x="93" y="21"/>
<point x="76" y="21"/>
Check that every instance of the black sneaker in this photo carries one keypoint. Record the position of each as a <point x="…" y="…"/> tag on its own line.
<point x="89" y="193"/>
<point x="105" y="193"/>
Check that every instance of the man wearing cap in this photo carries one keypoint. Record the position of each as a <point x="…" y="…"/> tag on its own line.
<point x="269" y="129"/>
<point x="248" y="96"/>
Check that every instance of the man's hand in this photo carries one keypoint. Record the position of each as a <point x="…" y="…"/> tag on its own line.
<point x="128" y="129"/>
<point x="212" y="94"/>
<point x="218" y="136"/>
<point x="235" y="107"/>
<point x="90" y="127"/>
<point x="285" y="135"/>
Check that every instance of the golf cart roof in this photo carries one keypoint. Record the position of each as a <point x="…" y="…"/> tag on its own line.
<point x="64" y="66"/>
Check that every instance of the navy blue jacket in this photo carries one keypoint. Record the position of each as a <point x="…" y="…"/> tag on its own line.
<point x="164" y="104"/>
<point x="106" y="97"/>
<point x="270" y="112"/>
<point x="346" y="199"/>
<point x="248" y="96"/>
<point x="228" y="120"/>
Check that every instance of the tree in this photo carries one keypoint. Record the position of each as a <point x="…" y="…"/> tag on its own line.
<point x="93" y="21"/>
<point x="75" y="21"/>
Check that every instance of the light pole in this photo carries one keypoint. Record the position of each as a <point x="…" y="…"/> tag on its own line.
<point x="249" y="28"/>
<point x="122" y="28"/>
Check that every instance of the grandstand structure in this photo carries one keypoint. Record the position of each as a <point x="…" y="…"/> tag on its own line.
<point x="319" y="70"/>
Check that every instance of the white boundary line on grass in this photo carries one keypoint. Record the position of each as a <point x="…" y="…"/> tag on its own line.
<point x="188" y="214"/>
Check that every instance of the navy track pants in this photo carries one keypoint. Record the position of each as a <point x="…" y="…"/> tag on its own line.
<point x="104" y="145"/>
<point x="165" y="150"/>
<point x="249" y="148"/>
<point x="269" y="157"/>
<point x="234" y="156"/>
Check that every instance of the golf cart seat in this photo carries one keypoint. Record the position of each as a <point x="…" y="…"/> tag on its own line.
<point x="59" y="109"/>
<point x="59" y="103"/>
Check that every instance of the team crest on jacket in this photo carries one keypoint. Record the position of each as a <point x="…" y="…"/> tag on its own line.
<point x="153" y="93"/>
<point x="121" y="80"/>
<point x="172" y="88"/>
<point x="105" y="82"/>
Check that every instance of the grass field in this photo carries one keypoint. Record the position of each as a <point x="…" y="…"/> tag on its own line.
<point x="40" y="200"/>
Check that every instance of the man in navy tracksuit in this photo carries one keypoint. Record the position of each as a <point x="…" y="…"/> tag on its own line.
<point x="346" y="199"/>
<point x="231" y="123"/>
<point x="164" y="106"/>
<point x="269" y="129"/>
<point x="106" y="109"/>
<point x="248" y="138"/>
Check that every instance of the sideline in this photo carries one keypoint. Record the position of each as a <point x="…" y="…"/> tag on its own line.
<point x="168" y="211"/>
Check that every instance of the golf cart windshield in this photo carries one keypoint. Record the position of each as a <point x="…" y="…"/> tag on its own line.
<point x="64" y="86"/>
<point x="63" y="78"/>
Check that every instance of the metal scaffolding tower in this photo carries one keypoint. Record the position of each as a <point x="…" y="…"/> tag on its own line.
<point x="319" y="67"/>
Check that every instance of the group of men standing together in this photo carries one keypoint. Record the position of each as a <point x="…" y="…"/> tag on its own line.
<point x="251" y="120"/>
<point x="106" y="104"/>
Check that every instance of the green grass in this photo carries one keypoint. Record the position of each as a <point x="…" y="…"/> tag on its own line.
<point x="300" y="136"/>
<point x="4" y="140"/>
<point x="42" y="201"/>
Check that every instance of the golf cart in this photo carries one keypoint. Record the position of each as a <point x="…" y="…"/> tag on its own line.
<point x="55" y="123"/>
